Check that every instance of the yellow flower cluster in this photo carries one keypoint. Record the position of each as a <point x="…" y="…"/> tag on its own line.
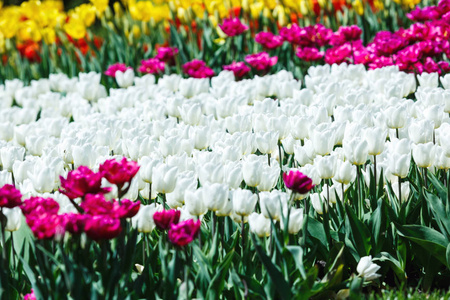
<point x="408" y="3"/>
<point x="33" y="20"/>
<point x="36" y="20"/>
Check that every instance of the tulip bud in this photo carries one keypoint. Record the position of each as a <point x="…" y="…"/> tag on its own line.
<point x="164" y="178"/>
<point x="424" y="154"/>
<point x="295" y="221"/>
<point x="259" y="225"/>
<point x="194" y="202"/>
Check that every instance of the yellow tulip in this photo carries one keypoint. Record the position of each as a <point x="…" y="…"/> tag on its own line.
<point x="118" y="11"/>
<point x="49" y="35"/>
<point x="2" y="42"/>
<point x="28" y="30"/>
<point x="358" y="7"/>
<point x="256" y="9"/>
<point x="100" y="5"/>
<point x="75" y="28"/>
<point x="86" y="13"/>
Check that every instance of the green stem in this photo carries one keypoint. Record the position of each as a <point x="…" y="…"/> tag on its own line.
<point x="186" y="274"/>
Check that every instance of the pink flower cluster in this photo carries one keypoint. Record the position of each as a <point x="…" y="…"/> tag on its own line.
<point x="112" y="69"/>
<point x="233" y="26"/>
<point x="198" y="69"/>
<point x="269" y="40"/>
<point x="157" y="64"/>
<point x="261" y="61"/>
<point x="180" y="233"/>
<point x="98" y="217"/>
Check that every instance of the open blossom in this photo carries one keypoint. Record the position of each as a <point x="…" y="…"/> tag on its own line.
<point x="97" y="205"/>
<point x="102" y="228"/>
<point x="269" y="40"/>
<point x="424" y="14"/>
<point x="184" y="232"/>
<point x="298" y="182"/>
<point x="39" y="205"/>
<point x="261" y="61"/>
<point x="239" y="69"/>
<point x="46" y="225"/>
<point x="152" y="66"/>
<point x="367" y="269"/>
<point x="112" y="69"/>
<point x="166" y="54"/>
<point x="291" y="34"/>
<point x="30" y="296"/>
<point x="233" y="26"/>
<point x="197" y="69"/>
<point x="10" y="196"/>
<point x="346" y="34"/>
<point x="126" y="208"/>
<point x="165" y="218"/>
<point x="82" y="181"/>
<point x="119" y="172"/>
<point x="309" y="54"/>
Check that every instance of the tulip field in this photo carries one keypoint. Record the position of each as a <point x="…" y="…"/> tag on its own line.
<point x="225" y="149"/>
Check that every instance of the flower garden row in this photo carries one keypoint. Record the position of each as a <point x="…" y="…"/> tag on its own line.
<point x="207" y="187"/>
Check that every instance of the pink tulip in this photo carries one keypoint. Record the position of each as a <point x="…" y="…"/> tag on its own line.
<point x="297" y="182"/>
<point x="102" y="228"/>
<point x="233" y="26"/>
<point x="269" y="40"/>
<point x="112" y="69"/>
<point x="261" y="61"/>
<point x="152" y="66"/>
<point x="165" y="218"/>
<point x="197" y="69"/>
<point x="10" y="196"/>
<point x="119" y="172"/>
<point x="82" y="181"/>
<point x="184" y="232"/>
<point x="240" y="69"/>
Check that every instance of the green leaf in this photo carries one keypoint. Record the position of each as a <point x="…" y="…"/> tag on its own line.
<point x="440" y="213"/>
<point x="357" y="232"/>
<point x="428" y="238"/>
<point x="297" y="254"/>
<point x="216" y="286"/>
<point x="281" y="286"/>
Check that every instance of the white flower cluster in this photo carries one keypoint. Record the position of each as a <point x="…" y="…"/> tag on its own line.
<point x="219" y="133"/>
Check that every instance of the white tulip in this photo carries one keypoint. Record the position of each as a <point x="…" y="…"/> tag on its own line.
<point x="376" y="139"/>
<point x="215" y="196"/>
<point x="125" y="79"/>
<point x="164" y="178"/>
<point x="326" y="166"/>
<point x="356" y="151"/>
<point x="194" y="203"/>
<point x="423" y="154"/>
<point x="8" y="155"/>
<point x="244" y="202"/>
<point x="13" y="217"/>
<point x="367" y="269"/>
<point x="295" y="220"/>
<point x="273" y="204"/>
<point x="259" y="225"/>
<point x="143" y="220"/>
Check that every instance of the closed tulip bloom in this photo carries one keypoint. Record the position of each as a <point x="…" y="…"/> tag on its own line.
<point x="356" y="151"/>
<point x="186" y="181"/>
<point x="396" y="116"/>
<point x="184" y="232"/>
<point x="323" y="141"/>
<point x="164" y="178"/>
<point x="424" y="154"/>
<point x="273" y="204"/>
<point x="367" y="269"/>
<point x="147" y="164"/>
<point x="125" y="79"/>
<point x="421" y="131"/>
<point x="13" y="218"/>
<point x="233" y="174"/>
<point x="326" y="166"/>
<point x="295" y="221"/>
<point x="441" y="161"/>
<point x="43" y="179"/>
<point x="269" y="178"/>
<point x="317" y="203"/>
<point x="251" y="169"/>
<point x="244" y="202"/>
<point x="434" y="113"/>
<point x="8" y="155"/>
<point x="298" y="182"/>
<point x="376" y="139"/>
<point x="406" y="190"/>
<point x="259" y="225"/>
<point x="194" y="202"/>
<point x="211" y="172"/>
<point x="215" y="196"/>
<point x="345" y="172"/>
<point x="304" y="154"/>
<point x="399" y="164"/>
<point x="143" y="220"/>
<point x="226" y="210"/>
<point x="267" y="142"/>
